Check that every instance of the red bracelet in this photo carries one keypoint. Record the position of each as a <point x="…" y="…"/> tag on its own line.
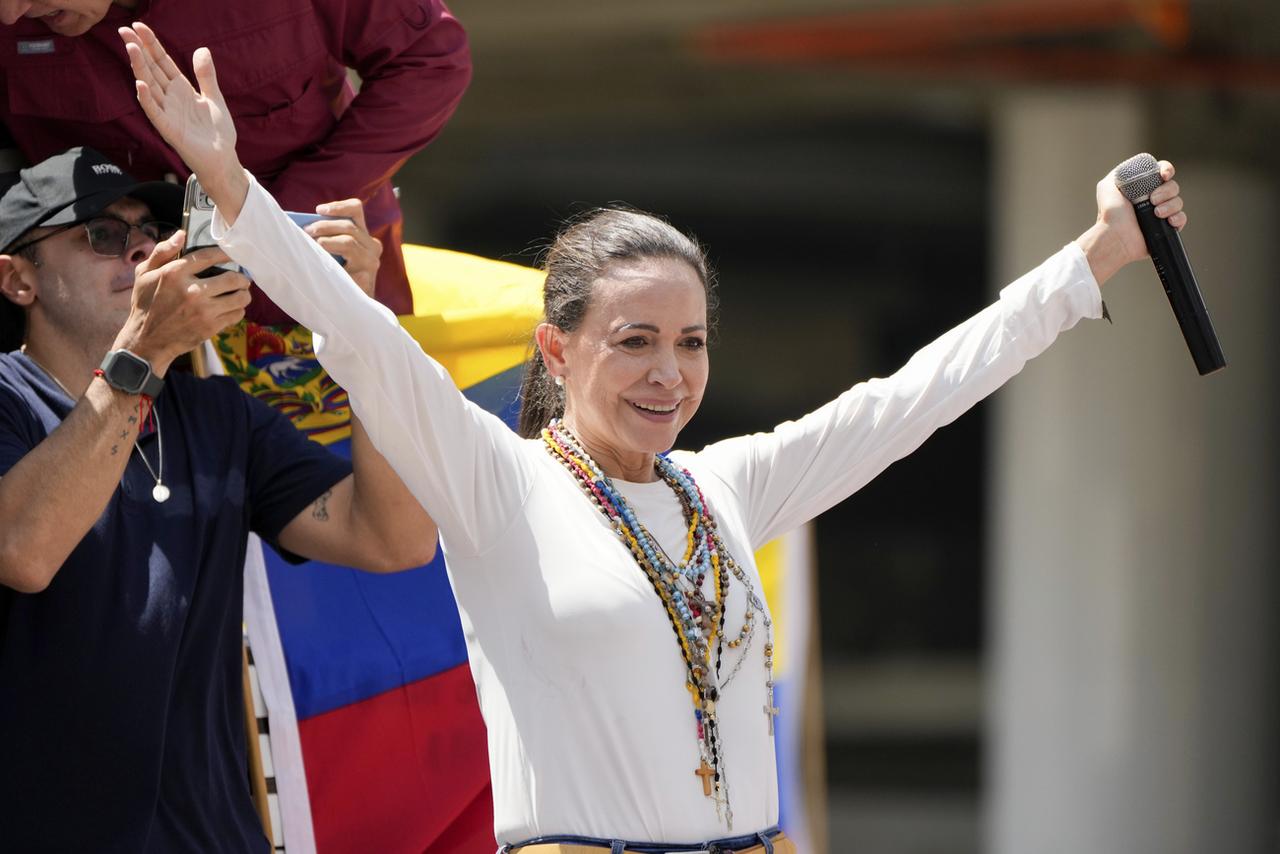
<point x="145" y="405"/>
<point x="145" y="402"/>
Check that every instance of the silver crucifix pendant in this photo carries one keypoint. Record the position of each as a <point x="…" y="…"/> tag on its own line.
<point x="769" y="708"/>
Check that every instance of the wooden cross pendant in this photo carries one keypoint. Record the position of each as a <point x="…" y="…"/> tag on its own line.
<point x="706" y="772"/>
<point x="770" y="709"/>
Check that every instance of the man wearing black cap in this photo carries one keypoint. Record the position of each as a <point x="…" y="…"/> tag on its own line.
<point x="127" y="493"/>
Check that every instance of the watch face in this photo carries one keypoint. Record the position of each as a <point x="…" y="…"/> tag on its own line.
<point x="128" y="371"/>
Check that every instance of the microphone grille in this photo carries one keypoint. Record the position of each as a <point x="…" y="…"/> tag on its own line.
<point x="1138" y="176"/>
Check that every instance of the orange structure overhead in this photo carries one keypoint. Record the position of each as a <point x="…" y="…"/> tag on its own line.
<point x="912" y="29"/>
<point x="1002" y="39"/>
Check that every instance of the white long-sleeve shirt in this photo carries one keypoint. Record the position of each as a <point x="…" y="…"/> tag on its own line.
<point x="580" y="681"/>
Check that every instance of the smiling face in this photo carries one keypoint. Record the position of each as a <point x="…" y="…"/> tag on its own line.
<point x="636" y="368"/>
<point x="64" y="17"/>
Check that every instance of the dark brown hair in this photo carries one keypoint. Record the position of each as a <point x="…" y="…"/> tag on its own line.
<point x="579" y="256"/>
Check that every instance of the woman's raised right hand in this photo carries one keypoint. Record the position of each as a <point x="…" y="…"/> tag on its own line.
<point x="197" y="125"/>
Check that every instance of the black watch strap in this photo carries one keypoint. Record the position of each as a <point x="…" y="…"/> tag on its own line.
<point x="131" y="374"/>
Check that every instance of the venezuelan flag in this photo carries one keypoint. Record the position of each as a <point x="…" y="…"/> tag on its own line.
<point x="373" y="738"/>
<point x="786" y="568"/>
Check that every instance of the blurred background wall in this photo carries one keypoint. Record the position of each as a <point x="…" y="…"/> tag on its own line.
<point x="1052" y="629"/>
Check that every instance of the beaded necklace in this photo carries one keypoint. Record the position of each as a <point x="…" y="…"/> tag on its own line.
<point x="698" y="622"/>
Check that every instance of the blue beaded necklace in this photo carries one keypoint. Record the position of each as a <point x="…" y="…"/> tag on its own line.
<point x="698" y="622"/>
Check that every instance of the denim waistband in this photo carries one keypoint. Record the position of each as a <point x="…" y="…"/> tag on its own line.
<point x="617" y="846"/>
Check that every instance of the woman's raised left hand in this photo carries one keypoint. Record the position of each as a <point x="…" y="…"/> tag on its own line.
<point x="1115" y="239"/>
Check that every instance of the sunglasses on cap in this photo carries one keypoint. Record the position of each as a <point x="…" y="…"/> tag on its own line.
<point x="108" y="235"/>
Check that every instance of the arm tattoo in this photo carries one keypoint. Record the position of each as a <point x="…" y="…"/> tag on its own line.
<point x="319" y="510"/>
<point x="115" y="449"/>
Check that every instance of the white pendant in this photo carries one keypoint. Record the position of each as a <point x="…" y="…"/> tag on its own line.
<point x="160" y="493"/>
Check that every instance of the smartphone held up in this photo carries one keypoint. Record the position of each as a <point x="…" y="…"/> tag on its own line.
<point x="197" y="222"/>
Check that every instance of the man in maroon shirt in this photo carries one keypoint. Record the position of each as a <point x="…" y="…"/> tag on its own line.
<point x="303" y="130"/>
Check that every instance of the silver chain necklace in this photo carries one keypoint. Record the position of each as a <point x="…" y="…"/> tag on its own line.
<point x="159" y="492"/>
<point x="48" y="373"/>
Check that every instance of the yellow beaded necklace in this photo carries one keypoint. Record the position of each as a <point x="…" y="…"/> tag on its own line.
<point x="698" y="623"/>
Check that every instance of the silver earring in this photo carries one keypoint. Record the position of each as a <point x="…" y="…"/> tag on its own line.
<point x="560" y="381"/>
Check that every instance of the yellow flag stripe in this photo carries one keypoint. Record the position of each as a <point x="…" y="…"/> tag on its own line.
<point x="769" y="561"/>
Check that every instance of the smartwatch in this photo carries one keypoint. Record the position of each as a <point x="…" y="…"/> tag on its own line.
<point x="131" y="374"/>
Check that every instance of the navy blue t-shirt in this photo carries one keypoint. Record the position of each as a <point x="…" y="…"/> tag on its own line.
<point x="121" y="717"/>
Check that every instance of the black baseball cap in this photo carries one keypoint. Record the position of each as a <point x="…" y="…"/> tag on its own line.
<point x="74" y="186"/>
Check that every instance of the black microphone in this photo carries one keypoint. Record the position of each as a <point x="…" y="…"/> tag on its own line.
<point x="1137" y="177"/>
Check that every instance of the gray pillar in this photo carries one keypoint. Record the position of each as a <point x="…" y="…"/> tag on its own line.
<point x="1133" y="510"/>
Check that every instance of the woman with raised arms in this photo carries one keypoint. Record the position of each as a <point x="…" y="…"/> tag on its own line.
<point x="614" y="620"/>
